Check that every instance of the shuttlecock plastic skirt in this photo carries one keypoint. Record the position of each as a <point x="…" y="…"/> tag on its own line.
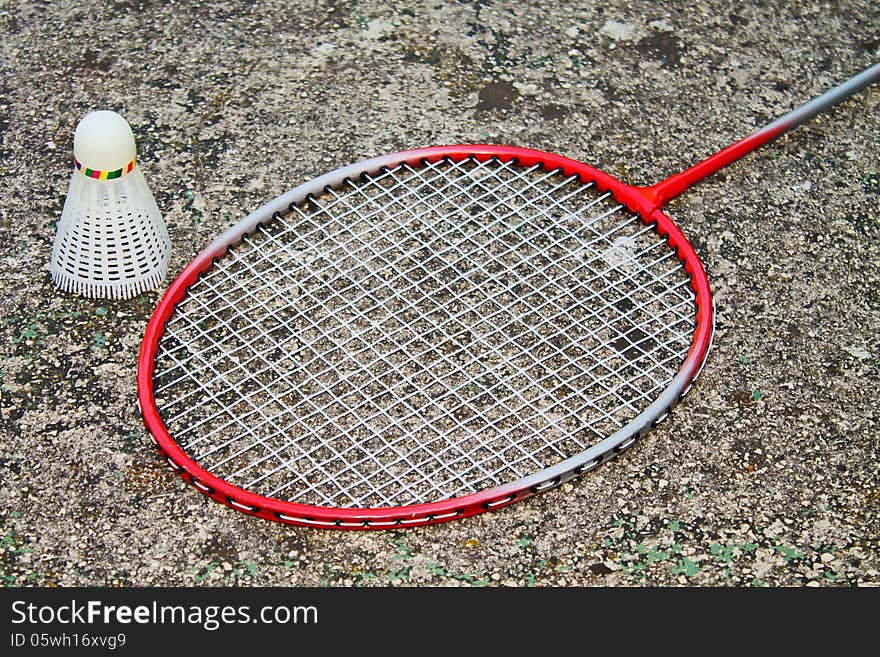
<point x="111" y="241"/>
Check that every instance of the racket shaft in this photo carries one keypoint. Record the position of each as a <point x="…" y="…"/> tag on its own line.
<point x="678" y="183"/>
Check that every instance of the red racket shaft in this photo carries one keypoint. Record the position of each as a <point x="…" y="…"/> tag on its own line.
<point x="675" y="185"/>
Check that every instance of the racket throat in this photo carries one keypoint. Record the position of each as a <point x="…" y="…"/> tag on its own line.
<point x="666" y="190"/>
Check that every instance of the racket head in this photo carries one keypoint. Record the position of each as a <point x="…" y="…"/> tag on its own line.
<point x="496" y="495"/>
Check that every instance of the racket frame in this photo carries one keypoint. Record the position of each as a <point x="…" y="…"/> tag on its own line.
<point x="637" y="200"/>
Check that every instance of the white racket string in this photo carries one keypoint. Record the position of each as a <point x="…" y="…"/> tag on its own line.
<point x="421" y="334"/>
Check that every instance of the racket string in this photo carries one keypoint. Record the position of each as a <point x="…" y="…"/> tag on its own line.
<point x="422" y="334"/>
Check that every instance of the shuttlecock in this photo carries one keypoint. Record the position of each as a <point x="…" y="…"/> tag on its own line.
<point x="111" y="240"/>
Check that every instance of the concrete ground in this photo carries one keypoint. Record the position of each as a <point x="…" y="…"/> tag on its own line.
<point x="766" y="475"/>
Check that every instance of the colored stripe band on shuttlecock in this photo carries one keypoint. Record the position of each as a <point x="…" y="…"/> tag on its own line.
<point x="104" y="175"/>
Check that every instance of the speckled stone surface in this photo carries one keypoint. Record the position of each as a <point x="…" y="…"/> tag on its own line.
<point x="767" y="473"/>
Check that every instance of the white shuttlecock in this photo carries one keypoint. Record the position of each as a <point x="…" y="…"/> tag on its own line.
<point x="111" y="241"/>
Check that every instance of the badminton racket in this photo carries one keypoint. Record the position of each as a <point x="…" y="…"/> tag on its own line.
<point x="431" y="334"/>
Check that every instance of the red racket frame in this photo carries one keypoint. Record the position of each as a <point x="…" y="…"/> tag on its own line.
<point x="642" y="201"/>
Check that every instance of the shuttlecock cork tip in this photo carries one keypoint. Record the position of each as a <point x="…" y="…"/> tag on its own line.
<point x="103" y="143"/>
